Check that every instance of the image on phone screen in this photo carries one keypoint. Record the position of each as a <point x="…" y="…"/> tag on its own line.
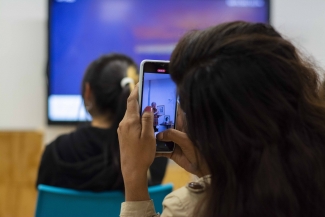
<point x="159" y="92"/>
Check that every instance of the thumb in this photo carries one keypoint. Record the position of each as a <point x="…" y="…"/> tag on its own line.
<point x="173" y="135"/>
<point x="147" y="122"/>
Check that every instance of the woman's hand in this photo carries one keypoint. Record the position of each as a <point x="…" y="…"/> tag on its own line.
<point x="137" y="148"/>
<point x="185" y="153"/>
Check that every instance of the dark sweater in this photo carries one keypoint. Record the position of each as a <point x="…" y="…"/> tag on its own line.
<point x="76" y="161"/>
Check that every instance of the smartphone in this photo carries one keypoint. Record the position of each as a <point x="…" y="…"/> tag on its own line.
<point x="156" y="89"/>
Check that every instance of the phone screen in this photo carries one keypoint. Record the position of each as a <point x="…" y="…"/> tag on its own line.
<point x="159" y="92"/>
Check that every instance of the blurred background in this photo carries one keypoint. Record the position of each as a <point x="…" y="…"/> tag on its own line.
<point x="23" y="83"/>
<point x="23" y="55"/>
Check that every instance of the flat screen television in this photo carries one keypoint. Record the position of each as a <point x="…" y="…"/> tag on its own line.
<point x="80" y="31"/>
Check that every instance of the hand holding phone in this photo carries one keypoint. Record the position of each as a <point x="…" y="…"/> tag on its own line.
<point x="185" y="154"/>
<point x="156" y="89"/>
<point x="137" y="148"/>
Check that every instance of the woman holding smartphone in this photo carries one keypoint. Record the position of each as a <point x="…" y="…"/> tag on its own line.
<point x="255" y="132"/>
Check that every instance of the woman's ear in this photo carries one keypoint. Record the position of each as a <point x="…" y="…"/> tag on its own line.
<point x="87" y="94"/>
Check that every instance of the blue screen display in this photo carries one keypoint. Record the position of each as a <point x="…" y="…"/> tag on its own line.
<point x="80" y="31"/>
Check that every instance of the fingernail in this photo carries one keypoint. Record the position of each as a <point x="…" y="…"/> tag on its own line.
<point x="147" y="109"/>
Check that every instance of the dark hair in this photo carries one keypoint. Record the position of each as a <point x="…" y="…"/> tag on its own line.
<point x="104" y="76"/>
<point x="253" y="111"/>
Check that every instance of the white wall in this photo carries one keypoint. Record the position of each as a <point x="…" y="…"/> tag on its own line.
<point x="302" y="21"/>
<point x="22" y="67"/>
<point x="23" y="55"/>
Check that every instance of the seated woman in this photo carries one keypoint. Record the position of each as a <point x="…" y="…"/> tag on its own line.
<point x="255" y="129"/>
<point x="89" y="158"/>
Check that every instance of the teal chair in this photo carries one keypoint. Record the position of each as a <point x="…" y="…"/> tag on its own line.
<point x="63" y="202"/>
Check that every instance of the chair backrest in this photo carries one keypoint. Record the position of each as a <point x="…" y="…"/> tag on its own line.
<point x="55" y="201"/>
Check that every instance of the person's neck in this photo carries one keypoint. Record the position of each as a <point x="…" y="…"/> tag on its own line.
<point x="101" y="122"/>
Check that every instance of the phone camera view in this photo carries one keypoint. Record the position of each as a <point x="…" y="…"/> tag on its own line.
<point x="159" y="92"/>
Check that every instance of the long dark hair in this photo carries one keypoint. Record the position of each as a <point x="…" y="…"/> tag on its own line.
<point x="253" y="110"/>
<point x="104" y="76"/>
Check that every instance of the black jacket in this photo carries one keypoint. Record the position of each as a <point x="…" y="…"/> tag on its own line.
<point x="77" y="161"/>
